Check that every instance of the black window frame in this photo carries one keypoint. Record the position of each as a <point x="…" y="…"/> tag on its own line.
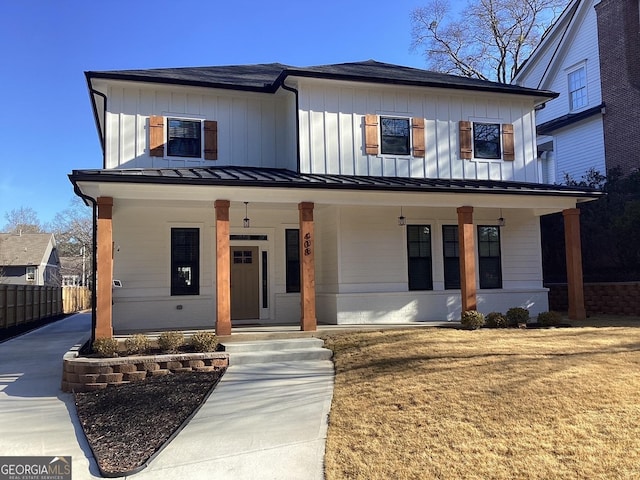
<point x="185" y="254"/>
<point x="451" y="257"/>
<point x="489" y="258"/>
<point x="292" y="260"/>
<point x="391" y="142"/>
<point x="420" y="264"/>
<point x="487" y="144"/>
<point x="179" y="146"/>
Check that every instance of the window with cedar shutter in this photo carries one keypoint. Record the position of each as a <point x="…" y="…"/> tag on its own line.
<point x="184" y="138"/>
<point x="486" y="140"/>
<point x="394" y="136"/>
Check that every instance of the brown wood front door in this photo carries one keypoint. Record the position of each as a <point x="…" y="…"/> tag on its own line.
<point x="245" y="283"/>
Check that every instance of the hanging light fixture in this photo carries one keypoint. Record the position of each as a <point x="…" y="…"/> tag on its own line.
<point x="246" y="223"/>
<point x="501" y="221"/>
<point x="401" y="219"/>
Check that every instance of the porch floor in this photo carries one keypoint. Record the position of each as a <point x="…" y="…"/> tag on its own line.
<point x="258" y="331"/>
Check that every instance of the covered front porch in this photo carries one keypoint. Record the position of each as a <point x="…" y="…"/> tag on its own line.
<point x="352" y="243"/>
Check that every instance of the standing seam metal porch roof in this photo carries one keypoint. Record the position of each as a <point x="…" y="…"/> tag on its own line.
<point x="283" y="178"/>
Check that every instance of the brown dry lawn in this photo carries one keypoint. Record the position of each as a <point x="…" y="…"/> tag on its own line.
<point x="441" y="403"/>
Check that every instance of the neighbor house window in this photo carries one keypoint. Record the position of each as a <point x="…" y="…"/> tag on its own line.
<point x="184" y="138"/>
<point x="486" y="140"/>
<point x="31" y="274"/>
<point x="451" y="246"/>
<point x="419" y="257"/>
<point x="489" y="265"/>
<point x="292" y="246"/>
<point x="185" y="261"/>
<point x="578" y="88"/>
<point x="394" y="133"/>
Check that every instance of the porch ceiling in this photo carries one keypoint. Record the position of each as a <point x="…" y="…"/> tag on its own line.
<point x="279" y="186"/>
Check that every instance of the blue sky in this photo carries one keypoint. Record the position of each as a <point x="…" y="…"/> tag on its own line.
<point x="46" y="124"/>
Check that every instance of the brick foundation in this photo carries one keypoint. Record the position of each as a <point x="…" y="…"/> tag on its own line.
<point x="603" y="298"/>
<point x="81" y="374"/>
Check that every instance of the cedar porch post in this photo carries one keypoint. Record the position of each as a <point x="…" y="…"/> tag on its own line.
<point x="307" y="268"/>
<point x="467" y="259"/>
<point x="223" y="269"/>
<point x="573" y="249"/>
<point x="104" y="271"/>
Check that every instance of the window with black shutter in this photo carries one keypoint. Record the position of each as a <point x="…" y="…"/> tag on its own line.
<point x="489" y="263"/>
<point x="451" y="246"/>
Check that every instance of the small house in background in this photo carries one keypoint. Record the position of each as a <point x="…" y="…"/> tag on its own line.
<point x="29" y="259"/>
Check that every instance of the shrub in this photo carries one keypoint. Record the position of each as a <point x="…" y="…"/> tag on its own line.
<point x="204" y="341"/>
<point x="137" y="343"/>
<point x="472" y="319"/>
<point x="517" y="315"/>
<point x="496" y="320"/>
<point x="105" y="347"/>
<point x="549" y="319"/>
<point x="170" y="341"/>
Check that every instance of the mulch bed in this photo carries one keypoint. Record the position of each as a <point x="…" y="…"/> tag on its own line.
<point x="127" y="424"/>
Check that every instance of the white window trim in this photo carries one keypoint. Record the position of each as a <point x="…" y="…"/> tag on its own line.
<point x="403" y="115"/>
<point x="182" y="116"/>
<point x="499" y="121"/>
<point x="572" y="69"/>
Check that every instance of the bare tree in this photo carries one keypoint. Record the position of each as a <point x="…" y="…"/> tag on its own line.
<point x="22" y="220"/>
<point x="73" y="230"/>
<point x="488" y="39"/>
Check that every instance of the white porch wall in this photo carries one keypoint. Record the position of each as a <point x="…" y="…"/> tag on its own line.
<point x="361" y="265"/>
<point x="332" y="131"/>
<point x="372" y="267"/>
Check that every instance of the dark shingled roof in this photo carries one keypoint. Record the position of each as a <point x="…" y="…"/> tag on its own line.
<point x="269" y="77"/>
<point x="282" y="178"/>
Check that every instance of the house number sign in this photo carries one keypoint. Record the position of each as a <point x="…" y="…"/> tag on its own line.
<point x="307" y="244"/>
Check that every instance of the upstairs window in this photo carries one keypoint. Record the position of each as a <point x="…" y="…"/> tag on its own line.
<point x="492" y="141"/>
<point x="486" y="140"/>
<point x="578" y="88"/>
<point x="394" y="133"/>
<point x="394" y="136"/>
<point x="184" y="138"/>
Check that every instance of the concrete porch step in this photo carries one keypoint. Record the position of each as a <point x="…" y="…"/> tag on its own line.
<point x="273" y="351"/>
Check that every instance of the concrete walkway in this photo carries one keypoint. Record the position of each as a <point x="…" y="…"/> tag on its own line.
<point x="266" y="421"/>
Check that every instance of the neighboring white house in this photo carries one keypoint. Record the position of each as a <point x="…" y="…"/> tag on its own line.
<point x="351" y="193"/>
<point x="590" y="56"/>
<point x="29" y="259"/>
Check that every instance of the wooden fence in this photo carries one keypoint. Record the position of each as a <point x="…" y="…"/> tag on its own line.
<point x="22" y="304"/>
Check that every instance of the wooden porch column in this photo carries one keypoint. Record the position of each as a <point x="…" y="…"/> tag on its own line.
<point x="467" y="258"/>
<point x="223" y="269"/>
<point x="573" y="249"/>
<point x="104" y="272"/>
<point x="307" y="268"/>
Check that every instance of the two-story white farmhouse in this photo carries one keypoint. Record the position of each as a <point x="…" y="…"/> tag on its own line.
<point x="351" y="193"/>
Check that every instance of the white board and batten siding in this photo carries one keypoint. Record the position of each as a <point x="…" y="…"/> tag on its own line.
<point x="332" y="131"/>
<point x="253" y="129"/>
